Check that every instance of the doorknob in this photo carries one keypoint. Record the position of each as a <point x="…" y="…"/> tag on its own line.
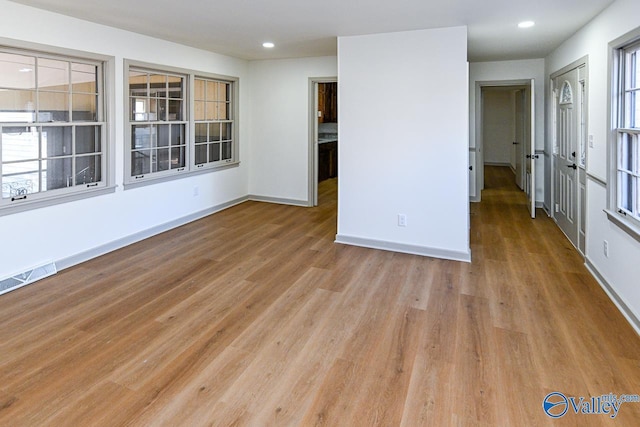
<point x="515" y="143"/>
<point x="573" y="154"/>
<point x="573" y="166"/>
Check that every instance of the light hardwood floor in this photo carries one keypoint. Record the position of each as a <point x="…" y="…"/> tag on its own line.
<point x="253" y="316"/>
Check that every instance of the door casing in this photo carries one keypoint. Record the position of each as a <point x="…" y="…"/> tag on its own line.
<point x="313" y="137"/>
<point x="577" y="233"/>
<point x="477" y="152"/>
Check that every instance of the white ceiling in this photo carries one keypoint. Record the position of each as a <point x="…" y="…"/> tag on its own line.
<point x="303" y="28"/>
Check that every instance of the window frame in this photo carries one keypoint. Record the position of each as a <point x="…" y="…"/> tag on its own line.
<point x="154" y="124"/>
<point x="627" y="220"/>
<point x="221" y="161"/>
<point x="104" y="113"/>
<point x="190" y="168"/>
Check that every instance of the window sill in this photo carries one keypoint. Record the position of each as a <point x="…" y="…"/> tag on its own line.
<point x="24" y="206"/>
<point x="626" y="226"/>
<point x="167" y="178"/>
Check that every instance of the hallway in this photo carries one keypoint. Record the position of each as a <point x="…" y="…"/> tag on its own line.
<point x="562" y="331"/>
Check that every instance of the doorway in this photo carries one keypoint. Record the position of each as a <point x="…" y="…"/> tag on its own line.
<point x="503" y="130"/>
<point x="323" y="133"/>
<point x="505" y="133"/>
<point x="569" y="151"/>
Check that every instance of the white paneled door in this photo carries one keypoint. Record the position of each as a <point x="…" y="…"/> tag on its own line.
<point x="520" y="136"/>
<point x="566" y="153"/>
<point x="530" y="152"/>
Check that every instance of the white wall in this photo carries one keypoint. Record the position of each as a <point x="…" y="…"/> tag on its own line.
<point x="501" y="71"/>
<point x="279" y="132"/>
<point x="621" y="270"/>
<point x="67" y="230"/>
<point x="498" y="131"/>
<point x="403" y="141"/>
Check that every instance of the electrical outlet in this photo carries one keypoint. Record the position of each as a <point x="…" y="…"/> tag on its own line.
<point x="402" y="220"/>
<point x="605" y="248"/>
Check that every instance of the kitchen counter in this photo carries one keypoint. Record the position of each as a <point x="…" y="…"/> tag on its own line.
<point x="326" y="140"/>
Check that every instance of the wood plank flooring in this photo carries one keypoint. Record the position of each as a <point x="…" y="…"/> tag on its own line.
<point x="253" y="316"/>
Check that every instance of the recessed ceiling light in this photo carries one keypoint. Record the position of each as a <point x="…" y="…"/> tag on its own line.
<point x="268" y="45"/>
<point x="526" y="24"/>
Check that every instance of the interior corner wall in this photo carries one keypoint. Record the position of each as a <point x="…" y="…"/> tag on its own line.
<point x="620" y="270"/>
<point x="507" y="71"/>
<point x="279" y="112"/>
<point x="70" y="230"/>
<point x="403" y="110"/>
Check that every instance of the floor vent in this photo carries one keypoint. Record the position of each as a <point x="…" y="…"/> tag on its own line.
<point x="29" y="276"/>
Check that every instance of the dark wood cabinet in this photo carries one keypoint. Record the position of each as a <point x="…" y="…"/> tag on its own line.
<point x="328" y="102"/>
<point x="327" y="160"/>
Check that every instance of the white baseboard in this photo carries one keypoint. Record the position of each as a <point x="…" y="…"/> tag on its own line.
<point x="613" y="295"/>
<point x="141" y="235"/>
<point x="404" y="248"/>
<point x="278" y="200"/>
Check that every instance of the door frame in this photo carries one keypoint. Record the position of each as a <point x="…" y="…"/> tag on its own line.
<point x="583" y="102"/>
<point x="313" y="136"/>
<point x="479" y="145"/>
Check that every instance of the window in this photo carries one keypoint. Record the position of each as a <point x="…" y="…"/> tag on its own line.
<point x="213" y="122"/>
<point x="566" y="94"/>
<point x="157" y="122"/>
<point x="625" y="198"/>
<point x="52" y="127"/>
<point x="179" y="122"/>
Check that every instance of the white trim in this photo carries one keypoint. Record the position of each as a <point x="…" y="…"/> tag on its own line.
<point x="597" y="179"/>
<point x="404" y="248"/>
<point x="478" y="142"/>
<point x="145" y="234"/>
<point x="27" y="205"/>
<point x="626" y="226"/>
<point x="532" y="149"/>
<point x="613" y="295"/>
<point x="278" y="200"/>
<point x="166" y="178"/>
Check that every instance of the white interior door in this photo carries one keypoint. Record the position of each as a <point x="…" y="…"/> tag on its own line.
<point x="565" y="158"/>
<point x="519" y="136"/>
<point x="530" y="152"/>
